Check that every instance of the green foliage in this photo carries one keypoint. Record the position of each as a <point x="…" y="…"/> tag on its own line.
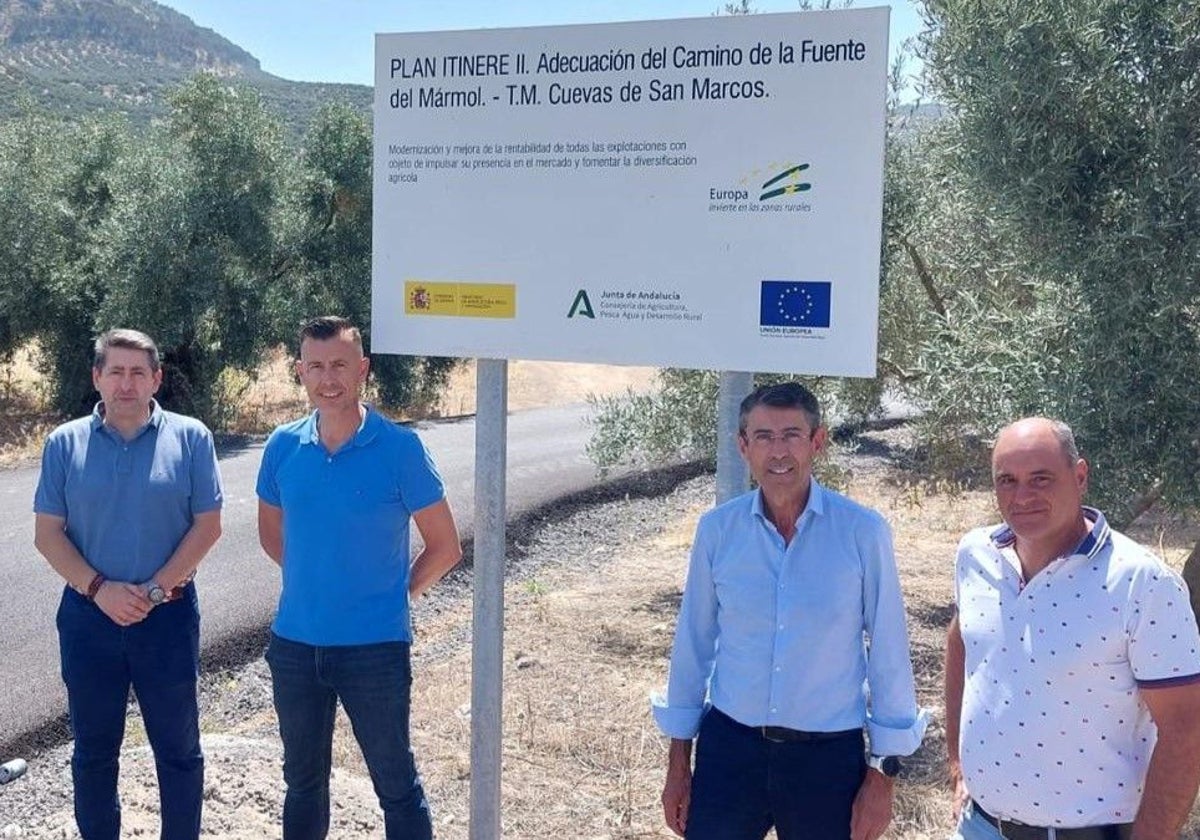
<point x="82" y="58"/>
<point x="679" y="420"/>
<point x="28" y="224"/>
<point x="56" y="192"/>
<point x="330" y="260"/>
<point x="206" y="232"/>
<point x="1078" y="198"/>
<point x="676" y="421"/>
<point x="188" y="246"/>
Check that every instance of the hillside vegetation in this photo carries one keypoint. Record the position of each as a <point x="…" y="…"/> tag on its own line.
<point x="84" y="57"/>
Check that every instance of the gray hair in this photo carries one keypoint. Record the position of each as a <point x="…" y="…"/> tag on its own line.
<point x="1066" y="440"/>
<point x="1061" y="431"/>
<point x="782" y="395"/>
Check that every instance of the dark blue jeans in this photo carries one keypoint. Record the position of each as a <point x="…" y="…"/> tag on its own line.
<point x="744" y="784"/>
<point x="159" y="657"/>
<point x="373" y="682"/>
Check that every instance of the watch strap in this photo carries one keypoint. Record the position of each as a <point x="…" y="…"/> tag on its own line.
<point x="94" y="586"/>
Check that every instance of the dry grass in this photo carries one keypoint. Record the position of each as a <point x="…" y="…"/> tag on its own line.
<point x="582" y="757"/>
<point x="24" y="418"/>
<point x="271" y="395"/>
<point x="584" y="648"/>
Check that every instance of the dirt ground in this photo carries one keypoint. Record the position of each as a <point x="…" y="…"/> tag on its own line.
<point x="590" y="610"/>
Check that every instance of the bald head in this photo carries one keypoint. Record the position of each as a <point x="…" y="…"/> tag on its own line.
<point x="1029" y="429"/>
<point x="1040" y="481"/>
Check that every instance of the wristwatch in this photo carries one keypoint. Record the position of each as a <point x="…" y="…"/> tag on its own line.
<point x="156" y="593"/>
<point x="888" y="765"/>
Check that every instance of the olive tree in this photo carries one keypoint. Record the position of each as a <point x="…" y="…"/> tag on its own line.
<point x="208" y="232"/>
<point x="1080" y="124"/>
<point x="328" y="263"/>
<point x="1076" y="130"/>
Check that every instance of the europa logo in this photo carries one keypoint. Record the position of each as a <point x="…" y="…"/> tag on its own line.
<point x="781" y="180"/>
<point x="787" y="182"/>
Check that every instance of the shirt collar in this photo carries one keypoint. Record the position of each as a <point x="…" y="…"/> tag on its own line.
<point x="1093" y="542"/>
<point x="156" y="416"/>
<point x="816" y="502"/>
<point x="367" y="430"/>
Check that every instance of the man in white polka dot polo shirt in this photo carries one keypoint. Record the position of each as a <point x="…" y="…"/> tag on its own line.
<point x="1072" y="667"/>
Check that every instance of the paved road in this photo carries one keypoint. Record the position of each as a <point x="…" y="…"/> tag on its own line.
<point x="238" y="584"/>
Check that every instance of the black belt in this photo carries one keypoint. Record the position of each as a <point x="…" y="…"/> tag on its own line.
<point x="783" y="735"/>
<point x="1019" y="831"/>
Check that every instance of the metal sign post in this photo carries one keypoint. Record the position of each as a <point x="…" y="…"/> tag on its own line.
<point x="733" y="476"/>
<point x="487" y="628"/>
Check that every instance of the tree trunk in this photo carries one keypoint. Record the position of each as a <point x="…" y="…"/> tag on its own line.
<point x="1140" y="505"/>
<point x="922" y="269"/>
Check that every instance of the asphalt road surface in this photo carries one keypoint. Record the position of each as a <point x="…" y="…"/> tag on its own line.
<point x="238" y="585"/>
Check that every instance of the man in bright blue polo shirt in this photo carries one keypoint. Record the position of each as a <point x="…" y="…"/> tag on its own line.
<point x="336" y="491"/>
<point x="128" y="502"/>
<point x="769" y="671"/>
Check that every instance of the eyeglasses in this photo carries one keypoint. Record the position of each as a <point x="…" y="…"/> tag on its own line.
<point x="790" y="437"/>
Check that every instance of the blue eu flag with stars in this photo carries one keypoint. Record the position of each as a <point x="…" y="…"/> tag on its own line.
<point x="787" y="303"/>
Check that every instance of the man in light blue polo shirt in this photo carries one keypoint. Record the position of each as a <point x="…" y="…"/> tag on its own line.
<point x="128" y="502"/>
<point x="769" y="671"/>
<point x="336" y="491"/>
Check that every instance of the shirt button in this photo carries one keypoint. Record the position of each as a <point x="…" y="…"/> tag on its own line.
<point x="778" y="668"/>
<point x="773" y="711"/>
<point x="780" y="626"/>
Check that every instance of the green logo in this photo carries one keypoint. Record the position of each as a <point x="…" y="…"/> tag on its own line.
<point x="582" y="306"/>
<point x="774" y="188"/>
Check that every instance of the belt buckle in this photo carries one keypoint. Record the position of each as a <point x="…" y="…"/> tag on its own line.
<point x="766" y="733"/>
<point x="1002" y="824"/>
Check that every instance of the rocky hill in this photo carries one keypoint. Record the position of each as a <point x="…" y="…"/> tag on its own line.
<point x="77" y="57"/>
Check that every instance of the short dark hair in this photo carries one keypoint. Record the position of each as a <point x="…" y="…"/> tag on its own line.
<point x="782" y="395"/>
<point x="127" y="339"/>
<point x="325" y="327"/>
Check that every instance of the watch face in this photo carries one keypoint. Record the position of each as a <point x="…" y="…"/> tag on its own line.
<point x="891" y="766"/>
<point x="156" y="594"/>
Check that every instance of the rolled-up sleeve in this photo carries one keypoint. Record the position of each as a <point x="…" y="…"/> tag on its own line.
<point x="678" y="714"/>
<point x="895" y="724"/>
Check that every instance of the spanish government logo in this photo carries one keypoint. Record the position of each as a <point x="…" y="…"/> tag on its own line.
<point x="460" y="300"/>
<point x="788" y="303"/>
<point x="419" y="298"/>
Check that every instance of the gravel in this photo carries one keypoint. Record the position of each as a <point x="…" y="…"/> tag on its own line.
<point x="243" y="783"/>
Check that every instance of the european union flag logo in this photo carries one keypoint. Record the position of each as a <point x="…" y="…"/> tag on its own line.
<point x="784" y="303"/>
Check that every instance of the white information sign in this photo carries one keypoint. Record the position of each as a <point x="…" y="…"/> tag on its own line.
<point x="701" y="193"/>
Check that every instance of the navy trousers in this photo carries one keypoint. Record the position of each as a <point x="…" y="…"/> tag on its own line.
<point x="159" y="658"/>
<point x="743" y="784"/>
<point x="373" y="683"/>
